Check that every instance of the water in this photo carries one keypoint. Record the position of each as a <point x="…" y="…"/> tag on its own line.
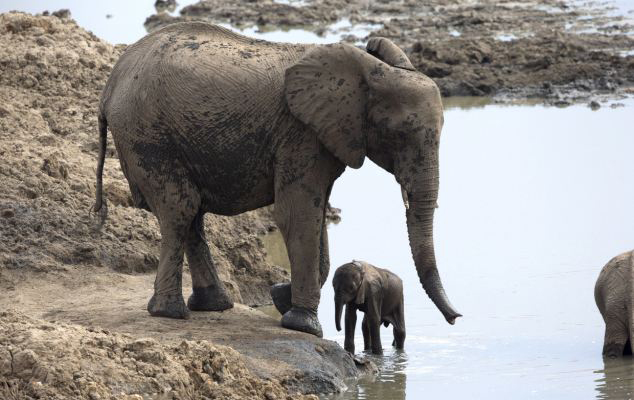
<point x="121" y="21"/>
<point x="533" y="202"/>
<point x="332" y="34"/>
<point x="117" y="21"/>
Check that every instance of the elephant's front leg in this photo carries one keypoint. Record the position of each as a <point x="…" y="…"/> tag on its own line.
<point x="373" y="316"/>
<point x="299" y="215"/>
<point x="351" y="323"/>
<point x="281" y="292"/>
<point x="365" y="329"/>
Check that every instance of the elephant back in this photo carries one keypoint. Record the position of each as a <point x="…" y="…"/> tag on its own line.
<point x="197" y="69"/>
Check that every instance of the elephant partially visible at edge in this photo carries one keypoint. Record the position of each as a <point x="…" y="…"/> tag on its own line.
<point x="378" y="293"/>
<point x="206" y="120"/>
<point x="614" y="297"/>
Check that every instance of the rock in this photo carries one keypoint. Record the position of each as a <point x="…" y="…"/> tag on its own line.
<point x="594" y="105"/>
<point x="62" y="14"/>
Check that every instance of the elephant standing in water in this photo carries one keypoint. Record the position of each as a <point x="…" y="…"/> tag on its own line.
<point x="206" y="120"/>
<point x="378" y="293"/>
<point x="613" y="295"/>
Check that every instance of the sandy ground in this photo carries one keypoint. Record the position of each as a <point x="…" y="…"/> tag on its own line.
<point x="57" y="265"/>
<point x="555" y="50"/>
<point x="61" y="361"/>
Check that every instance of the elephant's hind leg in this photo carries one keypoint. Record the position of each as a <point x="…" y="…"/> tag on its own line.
<point x="209" y="293"/>
<point x="399" y="337"/>
<point x="399" y="327"/>
<point x="616" y="336"/>
<point x="175" y="204"/>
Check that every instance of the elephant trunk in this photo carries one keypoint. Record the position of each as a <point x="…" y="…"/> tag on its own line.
<point x="338" y="309"/>
<point x="420" y="224"/>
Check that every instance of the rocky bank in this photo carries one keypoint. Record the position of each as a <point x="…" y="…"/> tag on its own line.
<point x="57" y="264"/>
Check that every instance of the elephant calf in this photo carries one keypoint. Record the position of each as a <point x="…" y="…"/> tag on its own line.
<point x="379" y="294"/>
<point x="613" y="295"/>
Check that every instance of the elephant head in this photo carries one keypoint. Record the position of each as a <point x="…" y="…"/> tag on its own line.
<point x="349" y="284"/>
<point x="376" y="104"/>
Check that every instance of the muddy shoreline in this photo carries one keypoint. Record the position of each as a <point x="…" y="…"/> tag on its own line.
<point x="555" y="50"/>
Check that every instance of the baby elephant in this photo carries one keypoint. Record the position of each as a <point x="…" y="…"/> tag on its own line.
<point x="379" y="294"/>
<point x="614" y="297"/>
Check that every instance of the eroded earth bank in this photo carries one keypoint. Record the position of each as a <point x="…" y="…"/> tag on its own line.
<point x="73" y="297"/>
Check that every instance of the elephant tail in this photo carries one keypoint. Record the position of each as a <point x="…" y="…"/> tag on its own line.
<point x="101" y="206"/>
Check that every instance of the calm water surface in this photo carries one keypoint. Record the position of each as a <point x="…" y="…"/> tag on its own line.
<point x="533" y="202"/>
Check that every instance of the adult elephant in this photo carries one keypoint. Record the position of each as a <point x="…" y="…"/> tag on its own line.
<point x="206" y="120"/>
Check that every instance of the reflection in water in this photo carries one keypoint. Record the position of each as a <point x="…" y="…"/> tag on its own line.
<point x="390" y="384"/>
<point x="617" y="381"/>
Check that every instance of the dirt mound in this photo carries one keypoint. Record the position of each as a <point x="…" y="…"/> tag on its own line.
<point x="528" y="48"/>
<point x="51" y="76"/>
<point x="66" y="361"/>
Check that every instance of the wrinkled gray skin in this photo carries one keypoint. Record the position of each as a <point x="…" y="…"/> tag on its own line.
<point x="378" y="293"/>
<point x="205" y="120"/>
<point x="613" y="295"/>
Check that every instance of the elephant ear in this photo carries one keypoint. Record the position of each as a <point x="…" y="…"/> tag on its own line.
<point x="385" y="50"/>
<point x="363" y="287"/>
<point x="360" y="299"/>
<point x="326" y="90"/>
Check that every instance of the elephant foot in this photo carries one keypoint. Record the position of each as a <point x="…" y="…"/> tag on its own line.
<point x="209" y="299"/>
<point x="303" y="320"/>
<point x="613" y="350"/>
<point x="349" y="348"/>
<point x="170" y="306"/>
<point x="281" y="295"/>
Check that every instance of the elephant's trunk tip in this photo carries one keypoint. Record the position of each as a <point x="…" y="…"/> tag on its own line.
<point x="452" y="318"/>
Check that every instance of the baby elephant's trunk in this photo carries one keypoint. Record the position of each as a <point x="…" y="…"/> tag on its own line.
<point x="338" y="309"/>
